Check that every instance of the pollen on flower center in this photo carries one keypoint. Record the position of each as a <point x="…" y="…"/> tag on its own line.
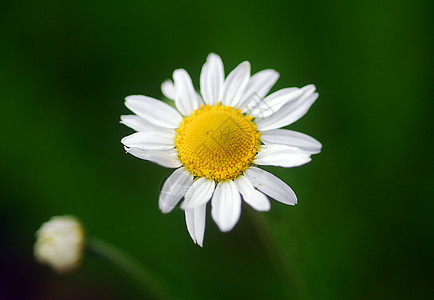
<point x="217" y="142"/>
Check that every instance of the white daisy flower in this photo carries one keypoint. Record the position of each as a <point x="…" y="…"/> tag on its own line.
<point x="60" y="243"/>
<point x="216" y="139"/>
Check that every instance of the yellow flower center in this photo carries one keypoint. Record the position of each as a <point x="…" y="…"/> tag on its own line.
<point x="217" y="142"/>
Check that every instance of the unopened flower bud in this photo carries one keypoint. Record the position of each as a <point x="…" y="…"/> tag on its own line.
<point x="60" y="243"/>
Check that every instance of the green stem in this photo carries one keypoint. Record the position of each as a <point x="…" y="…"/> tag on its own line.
<point x="293" y="283"/>
<point x="148" y="280"/>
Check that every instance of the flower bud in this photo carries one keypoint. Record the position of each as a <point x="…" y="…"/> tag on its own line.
<point x="60" y="243"/>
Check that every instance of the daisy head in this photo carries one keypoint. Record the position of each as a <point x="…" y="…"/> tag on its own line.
<point x="215" y="140"/>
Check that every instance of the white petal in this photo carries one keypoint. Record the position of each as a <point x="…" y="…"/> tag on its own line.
<point x="290" y="112"/>
<point x="201" y="192"/>
<point x="199" y="223"/>
<point x="271" y="185"/>
<point x="291" y="138"/>
<point x="211" y="79"/>
<point x="189" y="221"/>
<point x="226" y="205"/>
<point x="165" y="158"/>
<point x="235" y="84"/>
<point x="168" y="89"/>
<point x="253" y="197"/>
<point x="151" y="140"/>
<point x="195" y="220"/>
<point x="186" y="99"/>
<point x="174" y="189"/>
<point x="259" y="86"/>
<point x="138" y="124"/>
<point x="274" y="102"/>
<point x="154" y="111"/>
<point x="281" y="156"/>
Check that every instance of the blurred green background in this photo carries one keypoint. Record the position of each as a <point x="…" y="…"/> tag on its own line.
<point x="363" y="228"/>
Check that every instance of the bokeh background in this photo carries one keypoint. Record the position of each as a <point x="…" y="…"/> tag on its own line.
<point x="363" y="228"/>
